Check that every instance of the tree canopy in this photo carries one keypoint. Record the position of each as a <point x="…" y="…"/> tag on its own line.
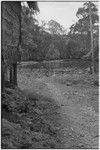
<point x="80" y="31"/>
<point x="36" y="39"/>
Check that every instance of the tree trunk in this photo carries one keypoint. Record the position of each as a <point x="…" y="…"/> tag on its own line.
<point x="91" y="30"/>
<point x="2" y="56"/>
<point x="15" y="74"/>
<point x="11" y="74"/>
<point x="2" y="79"/>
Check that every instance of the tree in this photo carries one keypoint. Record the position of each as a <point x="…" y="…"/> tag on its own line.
<point x="28" y="31"/>
<point x="11" y="37"/>
<point x="55" y="28"/>
<point x="72" y="47"/>
<point x="91" y="30"/>
<point x="83" y="24"/>
<point x="81" y="29"/>
<point x="60" y="44"/>
<point x="52" y="53"/>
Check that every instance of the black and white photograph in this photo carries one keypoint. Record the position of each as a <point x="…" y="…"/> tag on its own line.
<point x="50" y="74"/>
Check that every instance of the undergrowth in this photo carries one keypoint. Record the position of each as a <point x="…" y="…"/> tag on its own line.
<point x="26" y="121"/>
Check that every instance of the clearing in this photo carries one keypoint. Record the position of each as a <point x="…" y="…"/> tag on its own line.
<point x="77" y="99"/>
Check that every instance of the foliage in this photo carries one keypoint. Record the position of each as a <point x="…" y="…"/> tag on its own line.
<point x="10" y="31"/>
<point x="37" y="39"/>
<point x="72" y="48"/>
<point x="24" y="123"/>
<point x="83" y="24"/>
<point x="53" y="53"/>
<point x="27" y="31"/>
<point x="11" y="21"/>
<point x="33" y="6"/>
<point x="55" y="28"/>
<point x="80" y="31"/>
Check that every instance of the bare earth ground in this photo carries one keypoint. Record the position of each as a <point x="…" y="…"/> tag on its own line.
<point x="77" y="99"/>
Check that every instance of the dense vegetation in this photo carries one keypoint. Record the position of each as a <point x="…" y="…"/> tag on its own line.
<point x="51" y="40"/>
<point x="37" y="109"/>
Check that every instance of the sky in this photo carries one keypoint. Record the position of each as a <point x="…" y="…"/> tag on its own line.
<point x="62" y="12"/>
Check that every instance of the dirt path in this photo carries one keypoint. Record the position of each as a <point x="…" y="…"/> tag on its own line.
<point x="79" y="123"/>
<point x="78" y="110"/>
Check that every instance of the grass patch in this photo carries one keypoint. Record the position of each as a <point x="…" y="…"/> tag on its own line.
<point x="24" y="121"/>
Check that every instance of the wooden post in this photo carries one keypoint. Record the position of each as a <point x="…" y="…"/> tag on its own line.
<point x="91" y="30"/>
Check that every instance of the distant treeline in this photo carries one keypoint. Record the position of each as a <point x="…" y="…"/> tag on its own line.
<point x="51" y="41"/>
